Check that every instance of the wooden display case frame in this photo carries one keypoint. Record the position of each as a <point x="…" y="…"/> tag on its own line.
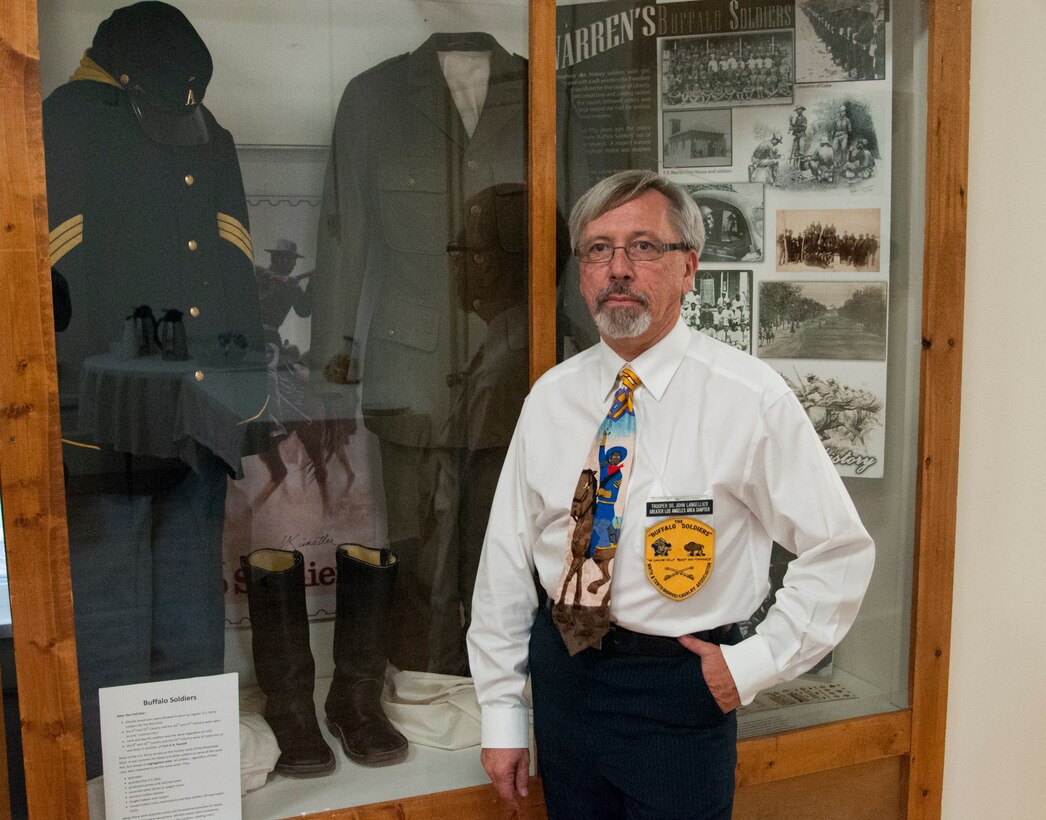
<point x="886" y="765"/>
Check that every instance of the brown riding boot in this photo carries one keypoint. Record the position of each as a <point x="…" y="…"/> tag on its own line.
<point x="283" y="660"/>
<point x="353" y="707"/>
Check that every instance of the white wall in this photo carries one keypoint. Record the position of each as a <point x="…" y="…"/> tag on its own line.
<point x="995" y="757"/>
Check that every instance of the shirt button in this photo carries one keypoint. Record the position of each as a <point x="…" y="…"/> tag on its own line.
<point x="475" y="210"/>
<point x="473" y="165"/>
<point x="189" y="179"/>
<point x="475" y="304"/>
<point x="411" y="181"/>
<point x="192" y="244"/>
<point x="198" y="375"/>
<point x="194" y="311"/>
<point x="478" y="258"/>
<point x="124" y="79"/>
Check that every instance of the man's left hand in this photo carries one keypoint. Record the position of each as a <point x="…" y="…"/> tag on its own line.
<point x="717" y="673"/>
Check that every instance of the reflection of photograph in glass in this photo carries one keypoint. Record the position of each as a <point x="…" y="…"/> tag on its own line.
<point x="720" y="306"/>
<point x="839" y="240"/>
<point x="822" y="320"/>
<point x="733" y="217"/>
<point x="697" y="139"/>
<point x="727" y="69"/>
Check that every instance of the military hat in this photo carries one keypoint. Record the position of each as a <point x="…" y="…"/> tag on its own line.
<point x="285" y="246"/>
<point x="152" y="50"/>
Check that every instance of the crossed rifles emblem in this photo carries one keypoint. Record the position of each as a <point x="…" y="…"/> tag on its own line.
<point x="674" y="572"/>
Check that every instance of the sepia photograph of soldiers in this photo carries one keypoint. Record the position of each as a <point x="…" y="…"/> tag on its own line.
<point x="720" y="306"/>
<point x="697" y="139"/>
<point x="735" y="69"/>
<point x="822" y="320"/>
<point x="846" y="239"/>
<point x="839" y="40"/>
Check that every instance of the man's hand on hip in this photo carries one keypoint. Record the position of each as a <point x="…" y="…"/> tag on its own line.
<point x="509" y="771"/>
<point x="717" y="673"/>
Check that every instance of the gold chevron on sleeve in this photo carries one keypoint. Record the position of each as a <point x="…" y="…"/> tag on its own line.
<point x="232" y="230"/>
<point x="65" y="237"/>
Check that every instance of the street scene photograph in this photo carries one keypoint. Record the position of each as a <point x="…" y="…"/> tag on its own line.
<point x="822" y="320"/>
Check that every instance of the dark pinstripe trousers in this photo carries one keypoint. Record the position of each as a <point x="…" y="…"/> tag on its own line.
<point x="628" y="736"/>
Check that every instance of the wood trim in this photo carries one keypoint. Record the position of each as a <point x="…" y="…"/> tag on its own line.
<point x="947" y="151"/>
<point x="30" y="450"/>
<point x="475" y="803"/>
<point x="819" y="748"/>
<point x="541" y="159"/>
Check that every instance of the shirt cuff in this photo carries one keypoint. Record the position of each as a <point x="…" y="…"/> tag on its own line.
<point x="752" y="666"/>
<point x="506" y="727"/>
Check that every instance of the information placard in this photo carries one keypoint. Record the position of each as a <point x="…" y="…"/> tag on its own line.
<point x="172" y="749"/>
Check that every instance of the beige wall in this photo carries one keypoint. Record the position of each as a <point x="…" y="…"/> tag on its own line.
<point x="995" y="763"/>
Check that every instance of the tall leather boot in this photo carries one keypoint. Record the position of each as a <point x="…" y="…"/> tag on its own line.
<point x="282" y="659"/>
<point x="353" y="707"/>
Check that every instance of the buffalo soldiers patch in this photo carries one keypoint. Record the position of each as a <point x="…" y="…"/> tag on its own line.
<point x="680" y="554"/>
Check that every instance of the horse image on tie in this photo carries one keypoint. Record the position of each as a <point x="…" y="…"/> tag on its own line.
<point x="595" y="525"/>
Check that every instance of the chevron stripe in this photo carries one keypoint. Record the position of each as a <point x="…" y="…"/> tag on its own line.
<point x="235" y="239"/>
<point x="65" y="237"/>
<point x="235" y="227"/>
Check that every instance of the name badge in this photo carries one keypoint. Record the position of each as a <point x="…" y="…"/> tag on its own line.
<point x="680" y="555"/>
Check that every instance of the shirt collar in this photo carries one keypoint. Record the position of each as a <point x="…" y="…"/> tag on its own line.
<point x="654" y="366"/>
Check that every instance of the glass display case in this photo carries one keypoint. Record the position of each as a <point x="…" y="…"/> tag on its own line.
<point x="304" y="268"/>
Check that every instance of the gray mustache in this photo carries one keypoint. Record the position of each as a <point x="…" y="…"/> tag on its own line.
<point x="620" y="289"/>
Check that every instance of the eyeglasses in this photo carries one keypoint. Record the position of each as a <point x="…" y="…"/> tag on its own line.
<point x="639" y="250"/>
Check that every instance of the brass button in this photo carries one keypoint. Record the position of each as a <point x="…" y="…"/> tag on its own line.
<point x="198" y="375"/>
<point x="189" y="179"/>
<point x="194" y="311"/>
<point x="473" y="165"/>
<point x="124" y="79"/>
<point x="192" y="245"/>
<point x="475" y="210"/>
<point x="475" y="304"/>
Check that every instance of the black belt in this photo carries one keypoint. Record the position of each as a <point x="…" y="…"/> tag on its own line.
<point x="626" y="642"/>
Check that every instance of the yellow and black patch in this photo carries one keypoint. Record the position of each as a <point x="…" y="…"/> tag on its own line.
<point x="680" y="555"/>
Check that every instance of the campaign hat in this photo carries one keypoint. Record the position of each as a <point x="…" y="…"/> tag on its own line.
<point x="285" y="246"/>
<point x="154" y="52"/>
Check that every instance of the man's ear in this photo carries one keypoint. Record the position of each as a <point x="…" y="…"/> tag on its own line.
<point x="691" y="269"/>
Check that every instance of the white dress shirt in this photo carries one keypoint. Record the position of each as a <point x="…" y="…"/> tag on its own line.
<point x="712" y="423"/>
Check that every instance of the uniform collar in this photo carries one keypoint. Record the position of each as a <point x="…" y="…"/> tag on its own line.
<point x="655" y="366"/>
<point x="90" y="70"/>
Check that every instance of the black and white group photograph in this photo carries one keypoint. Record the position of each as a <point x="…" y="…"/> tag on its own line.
<point x="837" y="240"/>
<point x="720" y="306"/>
<point x="697" y="139"/>
<point x="731" y="69"/>
<point x="822" y="320"/>
<point x="840" y="40"/>
<point x="733" y="217"/>
<point x="846" y="407"/>
<point x="822" y="144"/>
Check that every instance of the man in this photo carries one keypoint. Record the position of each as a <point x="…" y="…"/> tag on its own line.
<point x="278" y="287"/>
<point x="841" y="131"/>
<point x="642" y="723"/>
<point x="766" y="156"/>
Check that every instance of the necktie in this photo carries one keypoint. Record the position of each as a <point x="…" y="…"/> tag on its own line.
<point x="581" y="610"/>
